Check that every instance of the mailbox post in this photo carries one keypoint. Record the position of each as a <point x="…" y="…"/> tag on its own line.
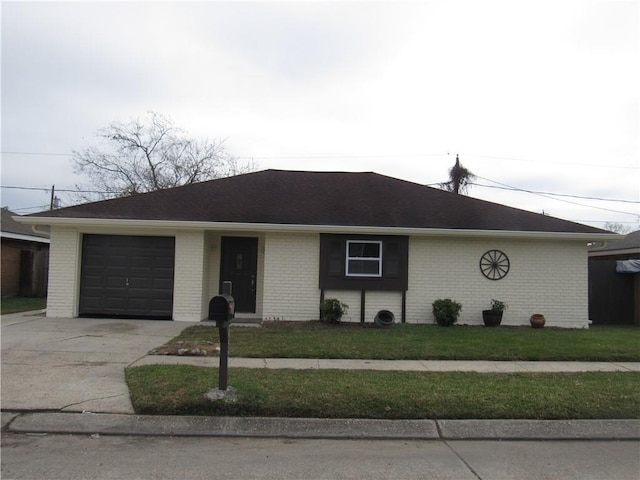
<point x="222" y="310"/>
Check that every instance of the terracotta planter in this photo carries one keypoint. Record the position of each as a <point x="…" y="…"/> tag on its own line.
<point x="537" y="320"/>
<point x="491" y="318"/>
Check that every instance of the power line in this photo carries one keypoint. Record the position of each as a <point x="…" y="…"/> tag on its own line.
<point x="37" y="207"/>
<point x="25" y="188"/>
<point x="419" y="155"/>
<point x="501" y="187"/>
<point x="511" y="187"/>
<point x="57" y="189"/>
<point x="38" y="153"/>
<point x="554" y="194"/>
<point x="606" y="221"/>
<point x="412" y="155"/>
<point x="552" y="163"/>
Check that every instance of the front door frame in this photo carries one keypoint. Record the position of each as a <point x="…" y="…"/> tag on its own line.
<point x="239" y="265"/>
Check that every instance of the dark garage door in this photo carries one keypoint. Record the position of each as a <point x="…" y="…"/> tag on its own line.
<point x="127" y="276"/>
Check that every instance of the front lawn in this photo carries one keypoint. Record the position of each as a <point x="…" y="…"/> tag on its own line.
<point x="180" y="390"/>
<point x="22" y="304"/>
<point x="425" y="342"/>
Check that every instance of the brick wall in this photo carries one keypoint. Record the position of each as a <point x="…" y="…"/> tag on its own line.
<point x="548" y="277"/>
<point x="545" y="276"/>
<point x="190" y="282"/>
<point x="374" y="302"/>
<point x="64" y="273"/>
<point x="291" y="263"/>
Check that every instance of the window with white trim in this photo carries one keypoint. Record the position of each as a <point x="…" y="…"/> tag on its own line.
<point x="364" y="258"/>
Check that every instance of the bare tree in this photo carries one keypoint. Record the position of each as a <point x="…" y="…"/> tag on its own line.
<point x="617" y="228"/>
<point x="153" y="154"/>
<point x="459" y="178"/>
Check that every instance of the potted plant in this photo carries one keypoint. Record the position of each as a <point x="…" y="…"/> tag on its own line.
<point x="446" y="311"/>
<point x="493" y="316"/>
<point x="332" y="310"/>
<point x="537" y="320"/>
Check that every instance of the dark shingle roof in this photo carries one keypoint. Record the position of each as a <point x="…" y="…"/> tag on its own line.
<point x="9" y="225"/>
<point x="320" y="198"/>
<point x="629" y="242"/>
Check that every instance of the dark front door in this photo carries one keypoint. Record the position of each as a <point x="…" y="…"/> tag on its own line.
<point x="127" y="276"/>
<point x="240" y="266"/>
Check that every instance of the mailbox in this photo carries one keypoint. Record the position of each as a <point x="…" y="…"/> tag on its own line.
<point x="222" y="309"/>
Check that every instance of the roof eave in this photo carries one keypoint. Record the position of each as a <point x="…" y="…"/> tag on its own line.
<point x="303" y="228"/>
<point x="23" y="237"/>
<point x="612" y="253"/>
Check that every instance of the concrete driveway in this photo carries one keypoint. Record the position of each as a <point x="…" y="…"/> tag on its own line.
<point x="74" y="364"/>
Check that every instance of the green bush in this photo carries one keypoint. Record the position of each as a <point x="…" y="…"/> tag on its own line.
<point x="498" y="306"/>
<point x="332" y="310"/>
<point x="446" y="311"/>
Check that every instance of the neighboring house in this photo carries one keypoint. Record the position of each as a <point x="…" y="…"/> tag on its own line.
<point x="614" y="281"/>
<point x="24" y="258"/>
<point x="288" y="239"/>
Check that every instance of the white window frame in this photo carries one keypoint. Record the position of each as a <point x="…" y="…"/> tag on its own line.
<point x="377" y="259"/>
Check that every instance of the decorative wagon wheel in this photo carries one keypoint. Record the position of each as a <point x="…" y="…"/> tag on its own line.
<point x="494" y="264"/>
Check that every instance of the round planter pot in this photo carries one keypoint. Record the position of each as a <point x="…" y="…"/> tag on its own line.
<point x="384" y="318"/>
<point x="491" y="318"/>
<point x="537" y="320"/>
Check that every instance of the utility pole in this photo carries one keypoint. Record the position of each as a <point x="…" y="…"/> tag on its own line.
<point x="55" y="201"/>
<point x="456" y="178"/>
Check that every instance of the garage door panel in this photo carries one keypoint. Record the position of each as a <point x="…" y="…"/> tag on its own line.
<point x="162" y="284"/>
<point x="93" y="281"/>
<point x="163" y="263"/>
<point x="127" y="276"/>
<point x="144" y="260"/>
<point x="137" y="283"/>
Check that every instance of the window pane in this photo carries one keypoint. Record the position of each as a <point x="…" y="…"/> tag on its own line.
<point x="364" y="267"/>
<point x="364" y="249"/>
<point x="355" y="249"/>
<point x="364" y="259"/>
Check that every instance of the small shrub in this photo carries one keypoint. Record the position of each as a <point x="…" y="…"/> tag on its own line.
<point x="446" y="311"/>
<point x="332" y="310"/>
<point x="498" y="306"/>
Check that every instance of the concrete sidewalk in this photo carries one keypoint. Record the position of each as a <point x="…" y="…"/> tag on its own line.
<point x="481" y="366"/>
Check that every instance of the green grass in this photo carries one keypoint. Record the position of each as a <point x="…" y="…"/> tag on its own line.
<point x="426" y="342"/>
<point x="180" y="390"/>
<point x="22" y="304"/>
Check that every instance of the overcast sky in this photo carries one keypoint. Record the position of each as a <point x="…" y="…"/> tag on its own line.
<point x="538" y="95"/>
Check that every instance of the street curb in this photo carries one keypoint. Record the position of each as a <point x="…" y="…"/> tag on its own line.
<point x="201" y="426"/>
<point x="627" y="429"/>
<point x="318" y="428"/>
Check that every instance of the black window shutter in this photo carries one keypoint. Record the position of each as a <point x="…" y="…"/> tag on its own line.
<point x="395" y="249"/>
<point x="336" y="256"/>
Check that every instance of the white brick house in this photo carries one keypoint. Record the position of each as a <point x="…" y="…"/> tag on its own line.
<point x="288" y="239"/>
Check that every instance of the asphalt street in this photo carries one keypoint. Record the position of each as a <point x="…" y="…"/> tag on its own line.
<point x="75" y="457"/>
